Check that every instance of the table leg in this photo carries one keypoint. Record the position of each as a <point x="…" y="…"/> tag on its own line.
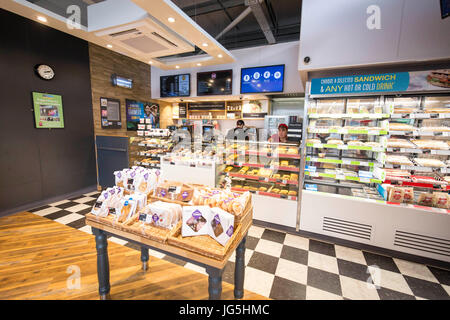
<point x="102" y="263"/>
<point x="239" y="270"/>
<point x="144" y="258"/>
<point x="214" y="283"/>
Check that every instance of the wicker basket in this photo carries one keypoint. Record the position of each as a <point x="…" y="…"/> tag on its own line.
<point x="207" y="246"/>
<point x="150" y="232"/>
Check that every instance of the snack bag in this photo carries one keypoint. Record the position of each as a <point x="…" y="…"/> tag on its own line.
<point x="195" y="220"/>
<point x="441" y="200"/>
<point x="408" y="196"/>
<point x="222" y="225"/>
<point x="425" y="199"/>
<point x="396" y="195"/>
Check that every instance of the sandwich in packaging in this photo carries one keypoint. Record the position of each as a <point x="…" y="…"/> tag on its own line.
<point x="196" y="220"/>
<point x="222" y="225"/>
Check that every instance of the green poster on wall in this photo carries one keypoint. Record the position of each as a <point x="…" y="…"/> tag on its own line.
<point x="48" y="110"/>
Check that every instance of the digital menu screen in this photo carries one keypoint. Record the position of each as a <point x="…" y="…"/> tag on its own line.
<point x="215" y="83"/>
<point x="175" y="86"/>
<point x="262" y="79"/>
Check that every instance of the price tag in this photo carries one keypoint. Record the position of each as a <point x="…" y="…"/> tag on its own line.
<point x="147" y="133"/>
<point x="147" y="121"/>
<point x="346" y="162"/>
<point x="340" y="177"/>
<point x="141" y="126"/>
<point x="284" y="181"/>
<point x="444" y="115"/>
<point x="365" y="180"/>
<point x="314" y="174"/>
<point x="373" y="132"/>
<point x="140" y="133"/>
<point x="434" y="115"/>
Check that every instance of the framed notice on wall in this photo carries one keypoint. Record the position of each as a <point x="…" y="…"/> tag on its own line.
<point x="110" y="113"/>
<point x="48" y="110"/>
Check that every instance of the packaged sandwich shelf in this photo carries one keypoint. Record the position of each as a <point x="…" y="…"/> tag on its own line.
<point x="417" y="153"/>
<point x="345" y="146"/>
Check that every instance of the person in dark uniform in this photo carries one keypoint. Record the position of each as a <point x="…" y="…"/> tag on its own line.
<point x="237" y="133"/>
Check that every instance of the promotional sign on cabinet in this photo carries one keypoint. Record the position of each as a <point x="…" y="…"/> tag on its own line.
<point x="434" y="80"/>
<point x="48" y="110"/>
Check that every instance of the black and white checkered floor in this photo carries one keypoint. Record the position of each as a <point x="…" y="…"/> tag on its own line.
<point x="286" y="266"/>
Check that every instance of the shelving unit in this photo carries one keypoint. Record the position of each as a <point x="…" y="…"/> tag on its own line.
<point x="151" y="145"/>
<point x="344" y="147"/>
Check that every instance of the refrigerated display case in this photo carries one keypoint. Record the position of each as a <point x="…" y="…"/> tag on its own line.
<point x="375" y="170"/>
<point x="271" y="172"/>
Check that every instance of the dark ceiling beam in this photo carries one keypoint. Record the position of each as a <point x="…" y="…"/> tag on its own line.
<point x="211" y="6"/>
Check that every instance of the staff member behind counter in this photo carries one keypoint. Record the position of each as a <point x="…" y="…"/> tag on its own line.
<point x="238" y="132"/>
<point x="281" y="136"/>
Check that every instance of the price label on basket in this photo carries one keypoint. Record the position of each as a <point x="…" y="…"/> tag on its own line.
<point x="365" y="180"/>
<point x="340" y="177"/>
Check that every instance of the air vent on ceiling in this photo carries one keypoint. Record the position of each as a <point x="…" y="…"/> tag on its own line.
<point x="162" y="38"/>
<point x="348" y="228"/>
<point x="144" y="44"/>
<point x="422" y="242"/>
<point x="121" y="33"/>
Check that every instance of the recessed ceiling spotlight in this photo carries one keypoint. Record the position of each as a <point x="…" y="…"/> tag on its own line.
<point x="199" y="64"/>
<point x="151" y="62"/>
<point x="220" y="56"/>
<point x="205" y="44"/>
<point x="171" y="20"/>
<point x="178" y="67"/>
<point x="109" y="46"/>
<point x="42" y="19"/>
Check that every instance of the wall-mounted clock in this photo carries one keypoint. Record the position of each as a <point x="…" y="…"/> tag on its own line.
<point x="44" y="71"/>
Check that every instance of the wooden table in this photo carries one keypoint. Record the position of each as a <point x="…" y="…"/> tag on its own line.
<point x="214" y="267"/>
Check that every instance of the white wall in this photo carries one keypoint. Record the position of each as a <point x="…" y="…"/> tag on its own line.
<point x="335" y="34"/>
<point x="283" y="53"/>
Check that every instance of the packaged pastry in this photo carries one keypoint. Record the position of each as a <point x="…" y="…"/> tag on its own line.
<point x="275" y="190"/>
<point x="195" y="220"/>
<point x="100" y="206"/>
<point x="441" y="200"/>
<point x="394" y="126"/>
<point x="263" y="189"/>
<point x="313" y="141"/>
<point x="238" y="204"/>
<point x="118" y="175"/>
<point x="284" y="163"/>
<point x="399" y="160"/>
<point x="126" y="210"/>
<point x="130" y="181"/>
<point x="165" y="214"/>
<point x="431" y="144"/>
<point x="425" y="199"/>
<point x="140" y="198"/>
<point x="396" y="195"/>
<point x="408" y="196"/>
<point x="435" y="129"/>
<point x="292" y="193"/>
<point x="222" y="225"/>
<point x="437" y="110"/>
<point x="293" y="176"/>
<point x="404" y="110"/>
<point x="284" y="192"/>
<point x="399" y="143"/>
<point x="355" y="143"/>
<point x="434" y="163"/>
<point x="228" y="169"/>
<point x="335" y="141"/>
<point x="372" y="144"/>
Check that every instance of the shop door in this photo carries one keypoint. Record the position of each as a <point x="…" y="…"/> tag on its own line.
<point x="112" y="155"/>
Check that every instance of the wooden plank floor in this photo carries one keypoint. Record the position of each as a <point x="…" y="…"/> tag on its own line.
<point x="36" y="252"/>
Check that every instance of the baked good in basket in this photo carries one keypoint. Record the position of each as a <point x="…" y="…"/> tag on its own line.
<point x="423" y="162"/>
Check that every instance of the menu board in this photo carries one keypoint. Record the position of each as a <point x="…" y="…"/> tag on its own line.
<point x="48" y="110"/>
<point x="216" y="105"/>
<point x="215" y="83"/>
<point x="262" y="79"/>
<point x="137" y="110"/>
<point x="175" y="86"/>
<point x="110" y="113"/>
